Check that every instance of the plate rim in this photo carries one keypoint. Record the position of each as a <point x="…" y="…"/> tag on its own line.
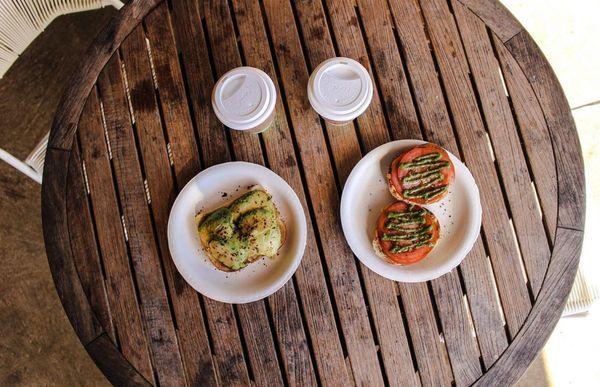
<point x="470" y="239"/>
<point x="302" y="232"/>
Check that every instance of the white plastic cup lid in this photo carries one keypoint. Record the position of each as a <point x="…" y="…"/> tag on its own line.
<point x="340" y="89"/>
<point x="244" y="98"/>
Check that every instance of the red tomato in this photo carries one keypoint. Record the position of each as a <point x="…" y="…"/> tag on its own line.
<point x="411" y="256"/>
<point x="397" y="174"/>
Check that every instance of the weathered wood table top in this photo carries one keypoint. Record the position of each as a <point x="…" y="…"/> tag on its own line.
<point x="136" y="124"/>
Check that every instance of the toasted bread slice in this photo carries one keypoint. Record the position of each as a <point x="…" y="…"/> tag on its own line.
<point x="379" y="251"/>
<point x="393" y="191"/>
<point x="199" y="217"/>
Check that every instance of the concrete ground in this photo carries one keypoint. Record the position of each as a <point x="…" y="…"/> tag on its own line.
<point x="37" y="343"/>
<point x="567" y="32"/>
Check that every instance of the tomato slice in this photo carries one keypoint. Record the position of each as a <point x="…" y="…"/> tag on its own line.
<point x="397" y="174"/>
<point x="416" y="254"/>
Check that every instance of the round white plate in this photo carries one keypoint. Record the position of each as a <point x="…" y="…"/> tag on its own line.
<point x="218" y="186"/>
<point x="366" y="194"/>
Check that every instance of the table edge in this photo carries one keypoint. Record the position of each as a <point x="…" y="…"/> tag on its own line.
<point x="560" y="275"/>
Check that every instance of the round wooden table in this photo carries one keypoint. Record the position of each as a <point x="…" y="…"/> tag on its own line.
<point x="136" y="124"/>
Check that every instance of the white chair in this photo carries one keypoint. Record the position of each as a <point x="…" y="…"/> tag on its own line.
<point x="583" y="295"/>
<point x="21" y="21"/>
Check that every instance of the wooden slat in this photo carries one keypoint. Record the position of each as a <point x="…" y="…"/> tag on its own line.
<point x="315" y="36"/>
<point x="119" y="282"/>
<point x="82" y="82"/>
<point x="142" y="245"/>
<point x="544" y="314"/>
<point x="504" y="136"/>
<point x="388" y="69"/>
<point x="83" y="244"/>
<point x="430" y="352"/>
<point x="309" y="277"/>
<point x="381" y="293"/>
<point x="226" y="57"/>
<point x="483" y="304"/>
<point x="467" y="74"/>
<point x="534" y="132"/>
<point x="347" y="37"/>
<point x="437" y="128"/>
<point x="288" y="321"/>
<point x="190" y="41"/>
<point x="457" y="333"/>
<point x="192" y="337"/>
<point x="173" y="99"/>
<point x="253" y="317"/>
<point x="432" y="357"/>
<point x="567" y="151"/>
<point x="469" y="126"/>
<point x="112" y="363"/>
<point x="228" y="351"/>
<point x="56" y="239"/>
<point x="324" y="195"/>
<point x="496" y="16"/>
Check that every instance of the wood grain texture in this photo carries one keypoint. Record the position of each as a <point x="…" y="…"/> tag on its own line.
<point x="567" y="151"/>
<point x="470" y="129"/>
<point x="113" y="365"/>
<point x="84" y="245"/>
<point x="505" y="138"/>
<point x="113" y="249"/>
<point x="108" y="40"/>
<point x="438" y="76"/>
<point x="544" y="314"/>
<point x="310" y="279"/>
<point x="228" y="354"/>
<point x="388" y="68"/>
<point x="56" y="239"/>
<point x="534" y="132"/>
<point x="496" y="16"/>
<point x="192" y="336"/>
<point x="257" y="333"/>
<point x="137" y="221"/>
<point x="437" y="127"/>
<point x="344" y="144"/>
<point x="324" y="194"/>
<point x="253" y="318"/>
<point x="347" y="38"/>
<point x="172" y="92"/>
<point x="194" y="55"/>
<point x="395" y="91"/>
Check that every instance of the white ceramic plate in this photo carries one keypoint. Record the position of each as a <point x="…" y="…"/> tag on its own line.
<point x="366" y="194"/>
<point x="213" y="188"/>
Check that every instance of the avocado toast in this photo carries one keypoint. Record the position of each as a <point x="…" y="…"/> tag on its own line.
<point x="247" y="229"/>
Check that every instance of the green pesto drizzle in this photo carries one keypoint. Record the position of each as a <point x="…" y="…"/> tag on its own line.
<point x="408" y="230"/>
<point x="409" y="214"/>
<point x="404" y="249"/>
<point x="401" y="225"/>
<point x="426" y="192"/>
<point x="426" y="172"/>
<point x="427" y="159"/>
<point x="417" y="234"/>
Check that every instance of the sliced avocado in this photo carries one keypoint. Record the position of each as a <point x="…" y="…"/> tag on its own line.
<point x="217" y="225"/>
<point x="256" y="221"/>
<point x="247" y="229"/>
<point x="249" y="201"/>
<point x="261" y="228"/>
<point x="232" y="253"/>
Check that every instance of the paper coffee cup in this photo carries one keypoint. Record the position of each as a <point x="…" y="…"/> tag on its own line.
<point x="244" y="99"/>
<point x="340" y="89"/>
